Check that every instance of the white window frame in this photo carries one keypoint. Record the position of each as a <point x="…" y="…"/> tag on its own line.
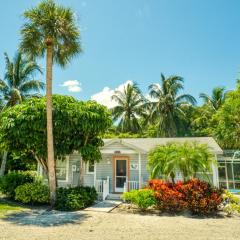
<point x="67" y="170"/>
<point x="87" y="168"/>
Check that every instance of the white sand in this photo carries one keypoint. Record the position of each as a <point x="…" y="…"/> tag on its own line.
<point x="114" y="226"/>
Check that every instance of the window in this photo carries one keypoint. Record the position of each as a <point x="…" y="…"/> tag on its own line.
<point x="90" y="168"/>
<point x="61" y="169"/>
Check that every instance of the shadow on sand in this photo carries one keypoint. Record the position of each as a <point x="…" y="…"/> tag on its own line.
<point x="44" y="218"/>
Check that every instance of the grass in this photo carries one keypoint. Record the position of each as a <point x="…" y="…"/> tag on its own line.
<point x="6" y="208"/>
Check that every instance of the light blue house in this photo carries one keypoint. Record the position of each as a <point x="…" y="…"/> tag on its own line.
<point x="123" y="165"/>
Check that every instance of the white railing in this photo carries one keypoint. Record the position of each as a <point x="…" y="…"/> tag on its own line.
<point x="105" y="188"/>
<point x="102" y="187"/>
<point x="99" y="186"/>
<point x="131" y="185"/>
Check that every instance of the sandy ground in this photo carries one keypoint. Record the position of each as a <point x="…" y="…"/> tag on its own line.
<point x="113" y="226"/>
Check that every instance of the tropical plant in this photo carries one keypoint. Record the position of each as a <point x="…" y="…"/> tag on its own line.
<point x="10" y="181"/>
<point x="231" y="203"/>
<point x="130" y="104"/>
<point x="75" y="198"/>
<point x="52" y="30"/>
<point x="217" y="98"/>
<point x="186" y="158"/>
<point x="142" y="198"/>
<point x="166" y="105"/>
<point x="17" y="85"/>
<point x="77" y="126"/>
<point x="226" y="121"/>
<point x="34" y="193"/>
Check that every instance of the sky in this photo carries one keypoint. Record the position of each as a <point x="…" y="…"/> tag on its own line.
<point x="137" y="40"/>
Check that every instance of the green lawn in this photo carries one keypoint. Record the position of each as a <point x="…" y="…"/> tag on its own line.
<point x="6" y="208"/>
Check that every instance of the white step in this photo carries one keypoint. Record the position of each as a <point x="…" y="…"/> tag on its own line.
<point x="114" y="196"/>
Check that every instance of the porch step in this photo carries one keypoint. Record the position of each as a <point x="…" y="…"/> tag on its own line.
<point x="114" y="196"/>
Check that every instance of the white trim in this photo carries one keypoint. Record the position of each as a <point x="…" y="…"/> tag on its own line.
<point x="121" y="141"/>
<point x="139" y="170"/>
<point x="87" y="168"/>
<point x="122" y="151"/>
<point x="116" y="188"/>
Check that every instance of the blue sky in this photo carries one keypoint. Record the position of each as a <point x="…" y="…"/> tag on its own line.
<point x="137" y="40"/>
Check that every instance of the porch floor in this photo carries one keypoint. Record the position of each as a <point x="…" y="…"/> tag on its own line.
<point x="104" y="206"/>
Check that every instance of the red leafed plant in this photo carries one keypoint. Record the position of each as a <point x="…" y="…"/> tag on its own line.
<point x="168" y="196"/>
<point x="201" y="197"/>
<point x="197" y="196"/>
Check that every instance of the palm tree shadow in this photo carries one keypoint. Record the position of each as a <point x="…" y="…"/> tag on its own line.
<point x="45" y="218"/>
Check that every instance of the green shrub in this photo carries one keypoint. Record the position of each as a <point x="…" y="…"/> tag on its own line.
<point x="10" y="181"/>
<point x="231" y="203"/>
<point x="143" y="198"/>
<point x="76" y="198"/>
<point x="32" y="193"/>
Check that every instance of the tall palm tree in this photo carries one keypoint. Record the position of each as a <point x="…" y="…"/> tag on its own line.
<point x="217" y="98"/>
<point x="167" y="105"/>
<point x="130" y="104"/>
<point x="50" y="30"/>
<point x="17" y="85"/>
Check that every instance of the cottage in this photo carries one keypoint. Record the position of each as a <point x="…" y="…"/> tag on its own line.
<point x="123" y="165"/>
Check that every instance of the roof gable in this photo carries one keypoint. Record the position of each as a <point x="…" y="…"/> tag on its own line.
<point x="146" y="144"/>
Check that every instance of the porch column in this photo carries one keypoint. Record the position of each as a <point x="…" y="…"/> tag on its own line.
<point x="139" y="170"/>
<point x="215" y="173"/>
<point x="95" y="174"/>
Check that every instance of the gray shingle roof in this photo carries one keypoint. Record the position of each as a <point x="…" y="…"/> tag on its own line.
<point x="146" y="144"/>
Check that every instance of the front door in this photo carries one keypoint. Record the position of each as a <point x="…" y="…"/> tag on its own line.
<point x="120" y="174"/>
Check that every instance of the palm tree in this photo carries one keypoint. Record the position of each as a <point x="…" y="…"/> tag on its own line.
<point x="17" y="85"/>
<point x="217" y="98"/>
<point x="130" y="104"/>
<point x="167" y="105"/>
<point x="187" y="158"/>
<point x="50" y="30"/>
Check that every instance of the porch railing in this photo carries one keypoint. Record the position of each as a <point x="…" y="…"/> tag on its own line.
<point x="131" y="185"/>
<point x="102" y="187"/>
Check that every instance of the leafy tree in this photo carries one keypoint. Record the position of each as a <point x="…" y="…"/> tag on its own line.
<point x="167" y="105"/>
<point x="226" y="121"/>
<point x="216" y="100"/>
<point x="52" y="30"/>
<point x="77" y="126"/>
<point x="166" y="160"/>
<point x="18" y="84"/>
<point x="129" y="109"/>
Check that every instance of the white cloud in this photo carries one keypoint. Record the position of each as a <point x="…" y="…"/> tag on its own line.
<point x="72" y="85"/>
<point x="105" y="96"/>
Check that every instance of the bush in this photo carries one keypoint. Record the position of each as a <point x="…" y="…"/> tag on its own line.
<point x="75" y="198"/>
<point x="32" y="193"/>
<point x="10" y="181"/>
<point x="168" y="196"/>
<point x="143" y="198"/>
<point x="201" y="197"/>
<point x="231" y="203"/>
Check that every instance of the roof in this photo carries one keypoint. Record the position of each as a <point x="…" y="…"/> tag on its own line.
<point x="146" y="144"/>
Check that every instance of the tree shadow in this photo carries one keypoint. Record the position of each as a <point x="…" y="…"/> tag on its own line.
<point x="44" y="218"/>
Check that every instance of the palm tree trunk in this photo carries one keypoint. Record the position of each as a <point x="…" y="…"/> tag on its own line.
<point x="3" y="164"/>
<point x="50" y="148"/>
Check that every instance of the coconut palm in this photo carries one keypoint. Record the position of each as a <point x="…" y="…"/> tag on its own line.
<point x="50" y="30"/>
<point x="167" y="105"/>
<point x="17" y="85"/>
<point x="217" y="98"/>
<point x="129" y="109"/>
